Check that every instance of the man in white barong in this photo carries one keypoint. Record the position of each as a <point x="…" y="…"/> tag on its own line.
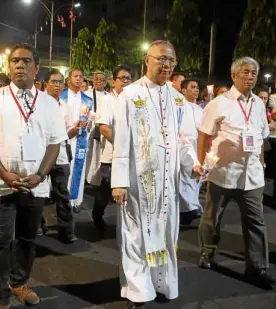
<point x="189" y="116"/>
<point x="77" y="108"/>
<point x="93" y="162"/>
<point x="105" y="122"/>
<point x="145" y="181"/>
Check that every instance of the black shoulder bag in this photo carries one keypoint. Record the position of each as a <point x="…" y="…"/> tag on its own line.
<point x="96" y="133"/>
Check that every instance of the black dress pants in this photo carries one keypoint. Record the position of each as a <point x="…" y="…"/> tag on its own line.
<point x="59" y="178"/>
<point x="20" y="216"/>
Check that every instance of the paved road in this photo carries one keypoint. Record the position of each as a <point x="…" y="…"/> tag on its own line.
<point x="84" y="275"/>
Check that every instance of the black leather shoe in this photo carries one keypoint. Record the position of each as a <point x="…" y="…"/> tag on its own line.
<point x="260" y="278"/>
<point x="76" y="209"/>
<point x="99" y="223"/>
<point x="67" y="238"/>
<point x="186" y="218"/>
<point x="206" y="260"/>
<point x="132" y="305"/>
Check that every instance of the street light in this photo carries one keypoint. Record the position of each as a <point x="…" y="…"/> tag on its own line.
<point x="51" y="14"/>
<point x="267" y="76"/>
<point x="144" y="47"/>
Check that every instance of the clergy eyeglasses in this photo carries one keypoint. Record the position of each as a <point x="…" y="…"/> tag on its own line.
<point x="56" y="82"/>
<point x="123" y="78"/>
<point x="163" y="60"/>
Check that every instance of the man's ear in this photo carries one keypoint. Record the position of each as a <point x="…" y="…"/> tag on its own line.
<point x="146" y="60"/>
<point x="37" y="67"/>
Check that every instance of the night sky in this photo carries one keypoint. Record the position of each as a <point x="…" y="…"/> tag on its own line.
<point x="228" y="15"/>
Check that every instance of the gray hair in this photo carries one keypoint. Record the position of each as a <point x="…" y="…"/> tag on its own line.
<point x="240" y="62"/>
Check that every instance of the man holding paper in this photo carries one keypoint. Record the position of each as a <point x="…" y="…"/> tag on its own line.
<point x="237" y="123"/>
<point x="32" y="130"/>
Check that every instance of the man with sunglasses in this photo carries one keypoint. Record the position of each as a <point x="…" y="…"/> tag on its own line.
<point x="104" y="119"/>
<point x="54" y="85"/>
<point x="145" y="180"/>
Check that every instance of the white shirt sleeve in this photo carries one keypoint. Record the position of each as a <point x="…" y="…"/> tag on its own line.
<point x="56" y="126"/>
<point x="120" y="160"/>
<point x="69" y="123"/>
<point x="211" y="117"/>
<point x="266" y="130"/>
<point x="104" y="111"/>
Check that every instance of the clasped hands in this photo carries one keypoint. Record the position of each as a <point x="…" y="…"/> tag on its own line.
<point x="18" y="184"/>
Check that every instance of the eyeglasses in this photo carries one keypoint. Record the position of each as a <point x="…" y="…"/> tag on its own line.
<point x="124" y="78"/>
<point x="101" y="80"/>
<point x="56" y="82"/>
<point x="163" y="60"/>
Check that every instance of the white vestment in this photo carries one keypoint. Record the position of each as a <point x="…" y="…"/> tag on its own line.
<point x="146" y="162"/>
<point x="189" y="115"/>
<point x="71" y="111"/>
<point x="93" y="161"/>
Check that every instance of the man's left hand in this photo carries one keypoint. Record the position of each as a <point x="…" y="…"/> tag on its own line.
<point x="30" y="181"/>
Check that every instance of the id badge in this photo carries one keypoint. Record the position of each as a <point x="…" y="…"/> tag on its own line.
<point x="248" y="141"/>
<point x="30" y="147"/>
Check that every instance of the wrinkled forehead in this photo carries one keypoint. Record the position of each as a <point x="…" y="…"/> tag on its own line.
<point x="99" y="75"/>
<point x="22" y="52"/>
<point x="76" y="73"/>
<point x="162" y="50"/>
<point x="56" y="77"/>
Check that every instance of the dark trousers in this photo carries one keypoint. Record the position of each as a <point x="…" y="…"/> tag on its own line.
<point x="20" y="216"/>
<point x="252" y="219"/>
<point x="59" y="178"/>
<point x="104" y="191"/>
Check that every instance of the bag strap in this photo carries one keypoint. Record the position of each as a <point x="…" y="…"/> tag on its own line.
<point x="95" y="100"/>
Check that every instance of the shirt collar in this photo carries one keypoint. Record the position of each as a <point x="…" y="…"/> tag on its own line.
<point x="238" y="96"/>
<point x="73" y="92"/>
<point x="15" y="89"/>
<point x="151" y="84"/>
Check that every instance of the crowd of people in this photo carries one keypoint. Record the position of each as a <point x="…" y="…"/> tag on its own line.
<point x="146" y="145"/>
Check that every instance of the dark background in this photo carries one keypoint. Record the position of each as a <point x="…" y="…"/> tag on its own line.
<point x="228" y="15"/>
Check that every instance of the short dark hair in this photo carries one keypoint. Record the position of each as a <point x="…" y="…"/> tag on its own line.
<point x="50" y="73"/>
<point x="176" y="74"/>
<point x="73" y="70"/>
<point x="263" y="89"/>
<point x="121" y="67"/>
<point x="29" y="48"/>
<point x="185" y="83"/>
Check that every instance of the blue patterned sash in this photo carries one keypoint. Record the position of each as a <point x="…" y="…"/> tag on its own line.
<point x="81" y="146"/>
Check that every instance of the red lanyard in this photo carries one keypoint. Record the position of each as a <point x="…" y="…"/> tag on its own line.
<point x="25" y="116"/>
<point x="246" y="117"/>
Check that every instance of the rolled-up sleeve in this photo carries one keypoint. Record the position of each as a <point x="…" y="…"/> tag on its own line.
<point x="210" y="117"/>
<point x="57" y="127"/>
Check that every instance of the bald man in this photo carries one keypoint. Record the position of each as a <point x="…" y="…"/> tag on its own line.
<point x="145" y="180"/>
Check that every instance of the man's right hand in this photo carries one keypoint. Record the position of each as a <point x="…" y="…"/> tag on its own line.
<point x="13" y="181"/>
<point x="119" y="195"/>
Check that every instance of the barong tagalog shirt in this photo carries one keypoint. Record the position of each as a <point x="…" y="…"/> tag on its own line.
<point x="189" y="118"/>
<point x="105" y="115"/>
<point x="225" y="118"/>
<point x="146" y="162"/>
<point x="45" y="124"/>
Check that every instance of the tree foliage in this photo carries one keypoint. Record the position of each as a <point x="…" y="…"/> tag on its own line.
<point x="104" y="55"/>
<point x="183" y="31"/>
<point x="81" y="52"/>
<point x="257" y="37"/>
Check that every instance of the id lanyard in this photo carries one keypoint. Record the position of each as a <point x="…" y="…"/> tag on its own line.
<point x="246" y="117"/>
<point x="24" y="115"/>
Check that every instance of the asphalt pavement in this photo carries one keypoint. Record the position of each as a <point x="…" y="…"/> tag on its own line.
<point x="84" y="275"/>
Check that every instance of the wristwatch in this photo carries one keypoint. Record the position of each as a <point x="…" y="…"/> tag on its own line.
<point x="41" y="175"/>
